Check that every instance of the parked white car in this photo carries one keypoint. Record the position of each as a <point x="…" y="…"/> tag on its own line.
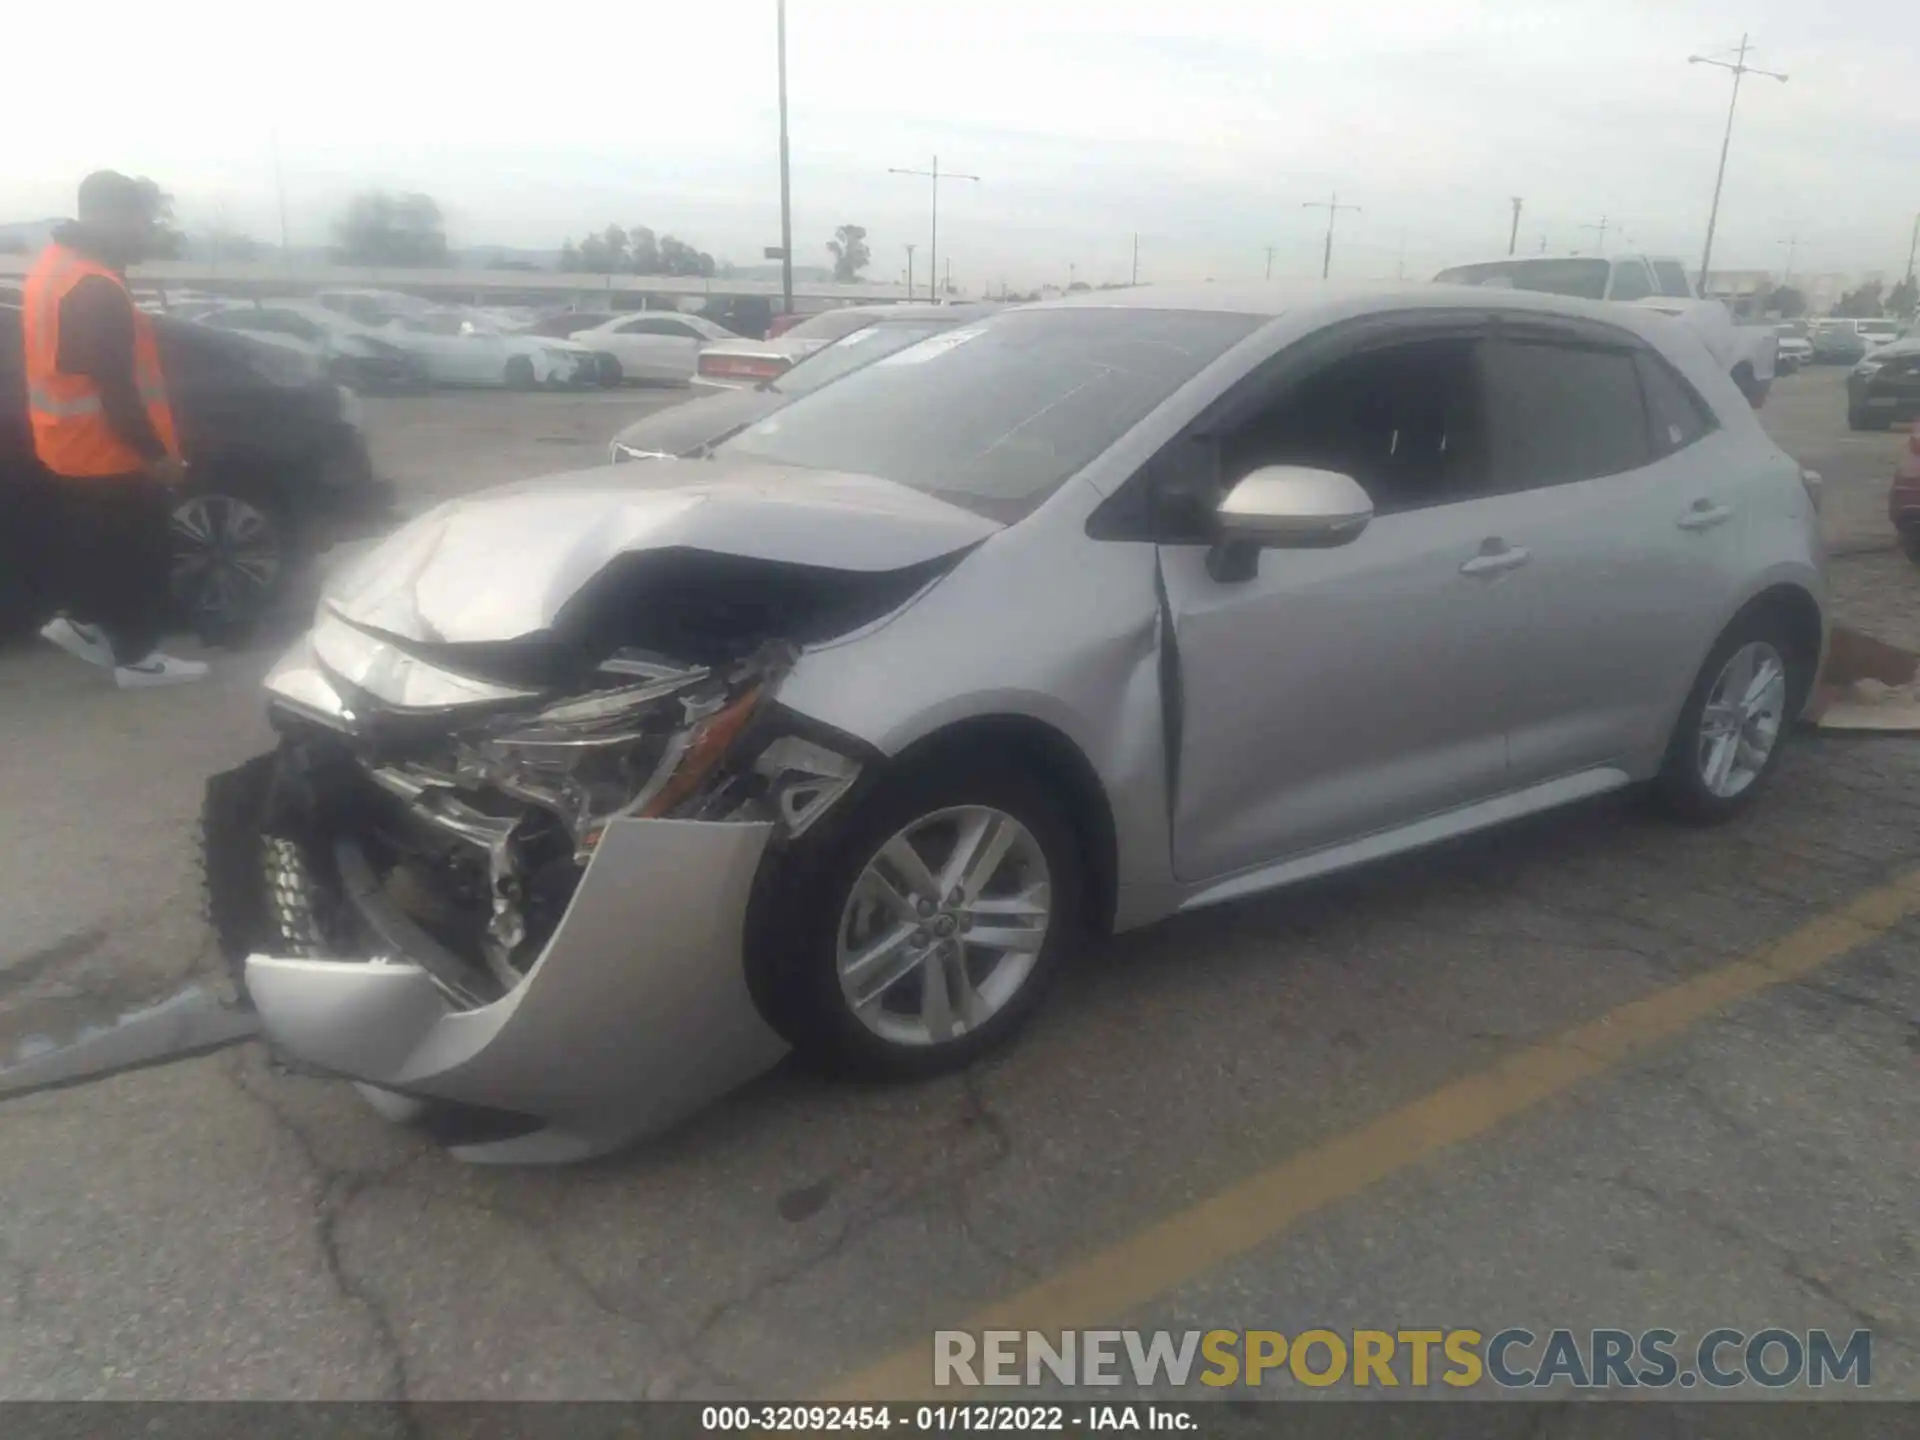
<point x="461" y="348"/>
<point x="656" y="345"/>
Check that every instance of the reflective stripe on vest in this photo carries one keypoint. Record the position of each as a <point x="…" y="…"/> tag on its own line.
<point x="71" y="433"/>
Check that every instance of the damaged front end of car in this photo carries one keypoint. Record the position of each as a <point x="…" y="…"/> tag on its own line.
<point x="515" y="890"/>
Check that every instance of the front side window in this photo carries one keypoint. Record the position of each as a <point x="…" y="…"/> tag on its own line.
<point x="995" y="416"/>
<point x="1562" y="411"/>
<point x="1672" y="279"/>
<point x="1403" y="420"/>
<point x="1630" y="281"/>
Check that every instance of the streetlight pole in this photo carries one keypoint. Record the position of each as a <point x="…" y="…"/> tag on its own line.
<point x="1740" y="69"/>
<point x="1333" y="207"/>
<point x="1911" y="245"/>
<point x="1269" y="262"/>
<point x="786" y="188"/>
<point x="280" y="192"/>
<point x="933" y="244"/>
<point x="1602" y="229"/>
<point x="1513" y="235"/>
<point x="909" y="272"/>
<point x="1792" y="243"/>
<point x="1136" y="257"/>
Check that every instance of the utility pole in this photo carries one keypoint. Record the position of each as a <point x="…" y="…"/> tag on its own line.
<point x="1740" y="69"/>
<point x="1073" y="273"/>
<point x="1400" y="268"/>
<point x="280" y="191"/>
<point x="786" y="190"/>
<point x="1136" y="258"/>
<point x="909" y="272"/>
<point x="1911" y="244"/>
<point x="1269" y="262"/>
<point x="1602" y="229"/>
<point x="1513" y="235"/>
<point x="1333" y="207"/>
<point x="947" y="288"/>
<point x="933" y="244"/>
<point x="1792" y="243"/>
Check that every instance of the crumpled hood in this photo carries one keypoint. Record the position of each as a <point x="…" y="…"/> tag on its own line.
<point x="500" y="564"/>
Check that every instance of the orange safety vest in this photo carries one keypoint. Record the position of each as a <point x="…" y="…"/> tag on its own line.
<point x="70" y="430"/>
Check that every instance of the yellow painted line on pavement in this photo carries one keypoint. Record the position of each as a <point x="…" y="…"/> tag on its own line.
<point x="1186" y="1245"/>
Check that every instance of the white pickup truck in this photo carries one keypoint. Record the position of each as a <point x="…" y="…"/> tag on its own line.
<point x="1656" y="282"/>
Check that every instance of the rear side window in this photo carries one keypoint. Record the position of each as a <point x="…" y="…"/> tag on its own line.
<point x="1672" y="280"/>
<point x="1630" y="281"/>
<point x="1562" y="411"/>
<point x="1676" y="415"/>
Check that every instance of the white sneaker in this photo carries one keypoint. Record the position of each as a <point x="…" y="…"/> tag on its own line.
<point x="83" y="641"/>
<point x="156" y="670"/>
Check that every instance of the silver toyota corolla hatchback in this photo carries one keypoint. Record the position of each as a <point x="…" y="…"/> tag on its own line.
<point x="597" y="794"/>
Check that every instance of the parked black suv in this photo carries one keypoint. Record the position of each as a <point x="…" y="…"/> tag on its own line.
<point x="277" y="469"/>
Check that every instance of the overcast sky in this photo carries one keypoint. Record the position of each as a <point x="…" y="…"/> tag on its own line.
<point x="1203" y="126"/>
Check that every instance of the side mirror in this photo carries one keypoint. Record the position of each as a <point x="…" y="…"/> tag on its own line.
<point x="1291" y="507"/>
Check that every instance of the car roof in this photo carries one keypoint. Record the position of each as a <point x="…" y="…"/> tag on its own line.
<point x="1334" y="300"/>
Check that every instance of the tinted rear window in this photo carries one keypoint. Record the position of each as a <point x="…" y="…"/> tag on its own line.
<point x="1672" y="279"/>
<point x="1564" y="412"/>
<point x="853" y="352"/>
<point x="832" y="325"/>
<point x="1586" y="279"/>
<point x="994" y="416"/>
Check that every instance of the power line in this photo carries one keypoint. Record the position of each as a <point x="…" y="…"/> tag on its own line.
<point x="1740" y="70"/>
<point x="936" y="175"/>
<point x="1333" y="207"/>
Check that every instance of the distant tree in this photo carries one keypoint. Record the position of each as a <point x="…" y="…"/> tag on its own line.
<point x="850" y="253"/>
<point x="569" y="257"/>
<point x="1787" y="302"/>
<point x="679" y="258"/>
<point x="1863" y="304"/>
<point x="1078" y="286"/>
<point x="400" y="230"/>
<point x="615" y="240"/>
<point x="1903" y="299"/>
<point x="643" y="248"/>
<point x="12" y="245"/>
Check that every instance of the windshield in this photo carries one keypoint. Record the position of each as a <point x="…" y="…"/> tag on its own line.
<point x="851" y="353"/>
<point x="1585" y="279"/>
<point x="1879" y="327"/>
<point x="832" y="325"/>
<point x="994" y="416"/>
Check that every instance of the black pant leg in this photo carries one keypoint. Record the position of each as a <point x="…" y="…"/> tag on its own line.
<point x="116" y="560"/>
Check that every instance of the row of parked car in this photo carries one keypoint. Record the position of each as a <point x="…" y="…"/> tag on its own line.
<point x="379" y="342"/>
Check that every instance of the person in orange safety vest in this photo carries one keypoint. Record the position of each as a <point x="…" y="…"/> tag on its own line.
<point x="103" y="428"/>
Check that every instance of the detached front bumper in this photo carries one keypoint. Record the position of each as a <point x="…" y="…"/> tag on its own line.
<point x="635" y="1015"/>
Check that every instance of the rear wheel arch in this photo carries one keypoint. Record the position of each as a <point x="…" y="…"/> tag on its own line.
<point x="1800" y="612"/>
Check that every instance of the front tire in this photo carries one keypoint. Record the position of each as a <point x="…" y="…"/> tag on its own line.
<point x="928" y="930"/>
<point x="1728" y="738"/>
<point x="1858" y="419"/>
<point x="520" y="374"/>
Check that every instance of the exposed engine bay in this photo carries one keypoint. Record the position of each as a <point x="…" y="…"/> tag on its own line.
<point x="443" y="801"/>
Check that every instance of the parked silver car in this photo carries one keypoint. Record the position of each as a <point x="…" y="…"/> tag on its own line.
<point x="597" y="794"/>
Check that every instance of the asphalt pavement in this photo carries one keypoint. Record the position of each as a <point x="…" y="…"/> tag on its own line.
<point x="1590" y="1072"/>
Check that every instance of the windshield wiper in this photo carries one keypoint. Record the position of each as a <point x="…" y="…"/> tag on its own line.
<point x="704" y="450"/>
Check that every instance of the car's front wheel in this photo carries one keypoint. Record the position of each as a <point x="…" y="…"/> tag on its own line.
<point x="930" y="929"/>
<point x="1858" y="419"/>
<point x="519" y="374"/>
<point x="1731" y="730"/>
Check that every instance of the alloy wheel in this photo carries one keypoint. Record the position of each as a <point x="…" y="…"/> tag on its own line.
<point x="944" y="925"/>
<point x="1740" y="724"/>
<point x="226" y="557"/>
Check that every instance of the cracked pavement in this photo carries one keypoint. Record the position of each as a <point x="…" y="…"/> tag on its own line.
<point x="222" y="1228"/>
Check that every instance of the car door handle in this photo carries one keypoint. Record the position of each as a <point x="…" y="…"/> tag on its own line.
<point x="1491" y="561"/>
<point x="1704" y="515"/>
